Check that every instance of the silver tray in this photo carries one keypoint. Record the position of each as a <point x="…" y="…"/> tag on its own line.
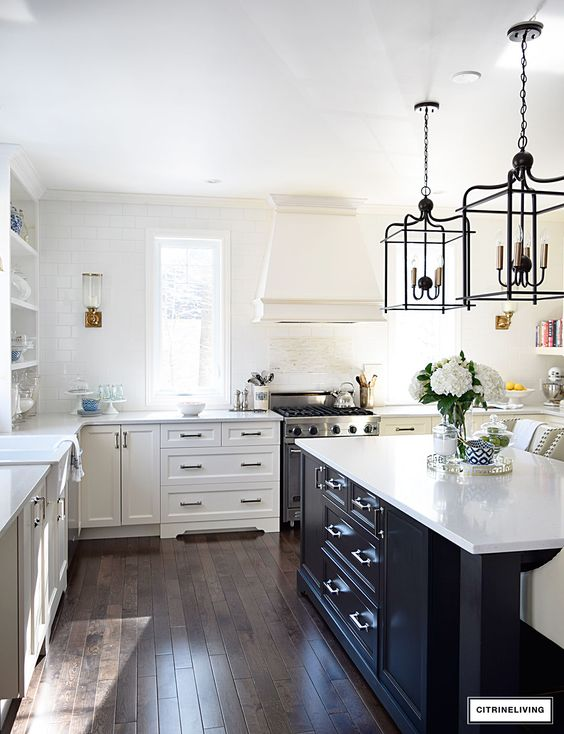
<point x="452" y="465"/>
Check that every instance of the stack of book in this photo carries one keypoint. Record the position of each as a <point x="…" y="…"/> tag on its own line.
<point x="549" y="333"/>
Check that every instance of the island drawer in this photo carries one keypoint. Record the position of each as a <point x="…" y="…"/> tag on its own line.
<point x="356" y="611"/>
<point x="357" y="549"/>
<point x="363" y="506"/>
<point x="335" y="486"/>
<point x="219" y="502"/>
<point x="190" y="435"/>
<point x="249" y="433"/>
<point x="405" y="426"/>
<point x="184" y="466"/>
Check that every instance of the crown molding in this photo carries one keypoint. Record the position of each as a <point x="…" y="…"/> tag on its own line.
<point x="155" y="199"/>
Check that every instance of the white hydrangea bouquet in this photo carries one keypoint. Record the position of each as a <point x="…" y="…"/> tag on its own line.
<point x="457" y="384"/>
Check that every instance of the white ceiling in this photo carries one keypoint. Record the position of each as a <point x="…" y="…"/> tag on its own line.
<point x="288" y="96"/>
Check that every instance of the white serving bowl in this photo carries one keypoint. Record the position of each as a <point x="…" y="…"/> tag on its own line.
<point x="190" y="408"/>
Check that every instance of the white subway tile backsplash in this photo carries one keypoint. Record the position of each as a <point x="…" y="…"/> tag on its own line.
<point x="110" y="237"/>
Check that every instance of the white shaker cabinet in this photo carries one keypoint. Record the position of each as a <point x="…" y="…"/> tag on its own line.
<point x="121" y="475"/>
<point x="100" y="488"/>
<point x="140" y="475"/>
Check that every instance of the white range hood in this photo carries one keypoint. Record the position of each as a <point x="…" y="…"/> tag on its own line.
<point x="316" y="267"/>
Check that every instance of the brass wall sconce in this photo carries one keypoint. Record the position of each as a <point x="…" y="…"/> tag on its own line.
<point x="92" y="299"/>
<point x="503" y="320"/>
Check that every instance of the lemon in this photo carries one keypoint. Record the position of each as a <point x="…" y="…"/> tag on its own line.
<point x="510" y="386"/>
<point x="518" y="386"/>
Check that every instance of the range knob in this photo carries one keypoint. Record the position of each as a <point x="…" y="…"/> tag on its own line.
<point x="313" y="431"/>
<point x="336" y="429"/>
<point x="352" y="429"/>
<point x="296" y="431"/>
<point x="368" y="428"/>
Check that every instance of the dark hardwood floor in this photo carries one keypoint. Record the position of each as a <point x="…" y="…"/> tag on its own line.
<point x="199" y="635"/>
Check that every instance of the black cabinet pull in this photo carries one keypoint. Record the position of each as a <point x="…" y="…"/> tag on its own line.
<point x="411" y="428"/>
<point x="251" y="433"/>
<point x="251" y="463"/>
<point x="190" y="466"/>
<point x="258" y="499"/>
<point x="190" y="435"/>
<point x="191" y="504"/>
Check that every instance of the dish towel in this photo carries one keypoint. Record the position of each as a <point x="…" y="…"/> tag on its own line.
<point x="523" y="433"/>
<point x="77" y="471"/>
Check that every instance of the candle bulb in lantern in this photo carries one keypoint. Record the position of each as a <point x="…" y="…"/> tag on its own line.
<point x="438" y="277"/>
<point x="519" y="246"/>
<point x="499" y="258"/>
<point x="544" y="252"/>
<point x="413" y="273"/>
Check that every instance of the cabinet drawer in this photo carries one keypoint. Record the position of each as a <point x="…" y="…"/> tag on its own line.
<point x="357" y="612"/>
<point x="260" y="464"/>
<point x="217" y="502"/>
<point x="247" y="433"/>
<point x="363" y="506"/>
<point x="190" y="435"/>
<point x="335" y="486"/>
<point x="405" y="426"/>
<point x="356" y="549"/>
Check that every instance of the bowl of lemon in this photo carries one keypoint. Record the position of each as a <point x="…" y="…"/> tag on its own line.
<point x="515" y="393"/>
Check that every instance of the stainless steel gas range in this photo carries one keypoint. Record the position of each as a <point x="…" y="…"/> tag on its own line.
<point x="312" y="415"/>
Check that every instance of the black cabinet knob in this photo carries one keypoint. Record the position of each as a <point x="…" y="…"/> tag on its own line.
<point x="336" y="429"/>
<point x="313" y="431"/>
<point x="352" y="429"/>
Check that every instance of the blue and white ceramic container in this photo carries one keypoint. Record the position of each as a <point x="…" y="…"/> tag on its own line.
<point x="479" y="452"/>
<point x="90" y="405"/>
<point x="16" y="220"/>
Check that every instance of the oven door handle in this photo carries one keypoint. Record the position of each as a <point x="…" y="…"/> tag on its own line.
<point x="295" y="451"/>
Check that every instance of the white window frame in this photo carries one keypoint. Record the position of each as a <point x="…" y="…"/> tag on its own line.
<point x="154" y="399"/>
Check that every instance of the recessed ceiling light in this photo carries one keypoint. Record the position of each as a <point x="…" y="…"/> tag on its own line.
<point x="213" y="180"/>
<point x="466" y="77"/>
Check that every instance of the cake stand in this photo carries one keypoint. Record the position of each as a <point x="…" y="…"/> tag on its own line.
<point x="109" y="408"/>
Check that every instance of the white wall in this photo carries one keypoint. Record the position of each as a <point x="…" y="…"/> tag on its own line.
<point x="108" y="235"/>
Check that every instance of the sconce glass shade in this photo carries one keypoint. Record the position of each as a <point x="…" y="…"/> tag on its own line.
<point x="92" y="290"/>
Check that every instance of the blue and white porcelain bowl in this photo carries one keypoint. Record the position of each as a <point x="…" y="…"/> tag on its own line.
<point x="90" y="405"/>
<point x="479" y="452"/>
<point x="16" y="355"/>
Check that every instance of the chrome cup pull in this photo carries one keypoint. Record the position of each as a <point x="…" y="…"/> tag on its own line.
<point x="191" y="504"/>
<point x="258" y="499"/>
<point x="360" y="559"/>
<point x="359" y="625"/>
<point x="190" y="435"/>
<point x="332" y="532"/>
<point x="361" y="505"/>
<point x="330" y="588"/>
<point x="190" y="466"/>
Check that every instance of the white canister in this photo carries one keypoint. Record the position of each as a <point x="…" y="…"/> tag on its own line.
<point x="261" y="395"/>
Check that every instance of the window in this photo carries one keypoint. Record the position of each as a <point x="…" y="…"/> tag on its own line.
<point x="188" y="324"/>
<point x="416" y="338"/>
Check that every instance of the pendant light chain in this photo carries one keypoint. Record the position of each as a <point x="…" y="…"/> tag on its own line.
<point x="425" y="190"/>
<point x="522" y="142"/>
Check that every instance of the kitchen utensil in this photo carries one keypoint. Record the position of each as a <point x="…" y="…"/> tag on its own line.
<point x="344" y="396"/>
<point x="190" y="408"/>
<point x="366" y="397"/>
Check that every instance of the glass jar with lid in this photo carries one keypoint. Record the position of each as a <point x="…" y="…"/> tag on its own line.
<point x="494" y="431"/>
<point x="445" y="438"/>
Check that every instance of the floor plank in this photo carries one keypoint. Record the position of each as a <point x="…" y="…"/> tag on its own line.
<point x="201" y="635"/>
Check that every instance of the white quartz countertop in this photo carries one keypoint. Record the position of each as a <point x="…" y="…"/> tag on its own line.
<point x="65" y="423"/>
<point x="415" y="410"/>
<point x="17" y="484"/>
<point x="520" y="511"/>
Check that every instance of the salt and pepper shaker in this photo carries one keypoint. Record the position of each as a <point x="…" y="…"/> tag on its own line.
<point x="245" y="399"/>
<point x="237" y="400"/>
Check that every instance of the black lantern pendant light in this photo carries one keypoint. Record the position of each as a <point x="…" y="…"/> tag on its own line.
<point x="522" y="260"/>
<point x="424" y="240"/>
